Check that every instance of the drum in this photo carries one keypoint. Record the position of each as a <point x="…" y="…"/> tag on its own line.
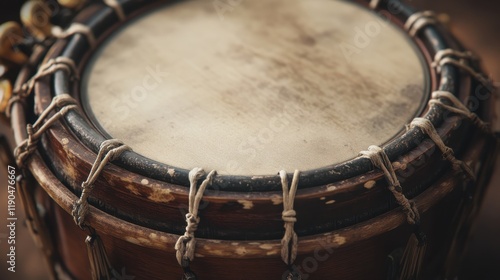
<point x="246" y="139"/>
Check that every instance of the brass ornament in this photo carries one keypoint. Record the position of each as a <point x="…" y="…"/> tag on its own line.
<point x="71" y="4"/>
<point x="5" y="94"/>
<point x="11" y="34"/>
<point x="35" y="16"/>
<point x="3" y="68"/>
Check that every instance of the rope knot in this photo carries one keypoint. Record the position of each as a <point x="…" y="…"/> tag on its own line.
<point x="186" y="244"/>
<point x="181" y="248"/>
<point x="428" y="128"/>
<point x="458" y="107"/>
<point x="23" y="90"/>
<point x="448" y="154"/>
<point x="380" y="160"/>
<point x="108" y="150"/>
<point x="79" y="212"/>
<point x="192" y="224"/>
<point x="416" y="213"/>
<point x="35" y="131"/>
<point x="27" y="147"/>
<point x="85" y="185"/>
<point x="288" y="216"/>
<point x="413" y="216"/>
<point x="289" y="242"/>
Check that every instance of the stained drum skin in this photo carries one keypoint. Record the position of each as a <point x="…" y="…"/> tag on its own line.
<point x="266" y="86"/>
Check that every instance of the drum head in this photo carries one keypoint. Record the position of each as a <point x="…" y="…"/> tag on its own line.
<point x="255" y="87"/>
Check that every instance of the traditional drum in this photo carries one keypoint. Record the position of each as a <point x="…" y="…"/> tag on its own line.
<point x="246" y="139"/>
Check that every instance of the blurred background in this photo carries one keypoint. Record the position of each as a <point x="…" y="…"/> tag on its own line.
<point x="475" y="23"/>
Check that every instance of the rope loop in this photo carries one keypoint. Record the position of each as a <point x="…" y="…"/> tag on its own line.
<point x="441" y="54"/>
<point x="428" y="128"/>
<point x="34" y="132"/>
<point x="459" y="59"/>
<point x="458" y="107"/>
<point x="415" y="248"/>
<point x="14" y="99"/>
<point x="186" y="244"/>
<point x="75" y="28"/>
<point x="289" y="242"/>
<point x="419" y="20"/>
<point x="109" y="150"/>
<point x="50" y="67"/>
<point x="380" y="160"/>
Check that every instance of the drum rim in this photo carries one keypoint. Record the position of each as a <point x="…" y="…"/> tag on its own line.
<point x="139" y="164"/>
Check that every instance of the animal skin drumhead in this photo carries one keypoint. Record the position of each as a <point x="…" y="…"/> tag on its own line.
<point x="255" y="88"/>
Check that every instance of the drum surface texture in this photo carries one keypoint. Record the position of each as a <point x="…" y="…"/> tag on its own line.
<point x="275" y="84"/>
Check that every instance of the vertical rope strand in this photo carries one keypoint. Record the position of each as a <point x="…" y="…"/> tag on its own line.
<point x="414" y="252"/>
<point x="108" y="151"/>
<point x="381" y="161"/>
<point x="99" y="262"/>
<point x="428" y="128"/>
<point x="186" y="244"/>
<point x="289" y="242"/>
<point x="100" y="265"/>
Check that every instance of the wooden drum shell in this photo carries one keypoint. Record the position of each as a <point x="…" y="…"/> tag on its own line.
<point x="356" y="252"/>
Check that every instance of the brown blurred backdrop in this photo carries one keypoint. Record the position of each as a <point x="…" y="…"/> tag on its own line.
<point x="475" y="23"/>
